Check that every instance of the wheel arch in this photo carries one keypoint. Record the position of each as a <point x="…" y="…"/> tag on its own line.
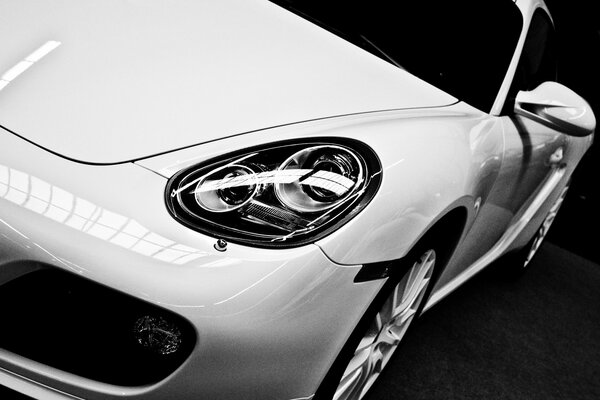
<point x="447" y="230"/>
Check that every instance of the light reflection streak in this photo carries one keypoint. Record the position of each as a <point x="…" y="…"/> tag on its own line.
<point x="65" y="208"/>
<point x="295" y="301"/>
<point x="14" y="229"/>
<point x="251" y="286"/>
<point x="305" y="398"/>
<point x="331" y="181"/>
<point x="394" y="164"/>
<point x="27" y="62"/>
<point x="195" y="181"/>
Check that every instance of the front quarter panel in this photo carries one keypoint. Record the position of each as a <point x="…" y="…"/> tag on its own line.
<point x="269" y="322"/>
<point x="431" y="165"/>
<point x="433" y="160"/>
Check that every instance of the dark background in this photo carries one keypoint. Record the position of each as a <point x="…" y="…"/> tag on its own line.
<point x="539" y="337"/>
<point x="578" y="29"/>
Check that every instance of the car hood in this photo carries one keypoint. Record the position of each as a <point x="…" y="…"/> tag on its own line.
<point x="116" y="80"/>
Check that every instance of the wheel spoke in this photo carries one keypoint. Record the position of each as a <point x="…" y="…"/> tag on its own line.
<point x="378" y="322"/>
<point x="367" y="340"/>
<point x="408" y="313"/>
<point x="413" y="291"/>
<point x="400" y="329"/>
<point x="386" y="312"/>
<point x="388" y="337"/>
<point x="357" y="362"/>
<point x="345" y="387"/>
<point x="545" y="227"/>
<point x="409" y="282"/>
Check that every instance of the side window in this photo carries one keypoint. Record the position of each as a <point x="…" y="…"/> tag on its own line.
<point x="538" y="59"/>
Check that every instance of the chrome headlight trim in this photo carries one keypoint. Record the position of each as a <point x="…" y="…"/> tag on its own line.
<point x="279" y="195"/>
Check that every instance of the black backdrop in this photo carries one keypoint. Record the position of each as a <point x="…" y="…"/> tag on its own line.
<point x="577" y="24"/>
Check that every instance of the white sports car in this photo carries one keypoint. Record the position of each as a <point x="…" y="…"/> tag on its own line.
<point x="252" y="199"/>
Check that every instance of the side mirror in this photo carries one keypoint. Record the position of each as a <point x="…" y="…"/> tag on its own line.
<point x="557" y="107"/>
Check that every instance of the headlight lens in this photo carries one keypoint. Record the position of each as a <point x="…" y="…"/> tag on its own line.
<point x="282" y="195"/>
<point x="226" y="189"/>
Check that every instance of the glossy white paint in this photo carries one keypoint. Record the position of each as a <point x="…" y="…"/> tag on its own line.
<point x="430" y="166"/>
<point x="270" y="322"/>
<point x="507" y="240"/>
<point x="558" y="107"/>
<point x="471" y="144"/>
<point x="31" y="388"/>
<point x="88" y="220"/>
<point x="163" y="75"/>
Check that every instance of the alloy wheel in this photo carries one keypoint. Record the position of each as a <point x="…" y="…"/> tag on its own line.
<point x="386" y="330"/>
<point x="543" y="231"/>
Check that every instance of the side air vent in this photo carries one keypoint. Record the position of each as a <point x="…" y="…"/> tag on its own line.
<point x="78" y="326"/>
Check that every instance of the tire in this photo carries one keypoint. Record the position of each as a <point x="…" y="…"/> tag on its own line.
<point x="382" y="328"/>
<point x="520" y="261"/>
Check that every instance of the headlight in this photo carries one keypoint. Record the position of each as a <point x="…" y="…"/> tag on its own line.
<point x="280" y="195"/>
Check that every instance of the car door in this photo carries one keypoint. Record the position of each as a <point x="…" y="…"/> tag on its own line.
<point x="532" y="150"/>
<point x="528" y="148"/>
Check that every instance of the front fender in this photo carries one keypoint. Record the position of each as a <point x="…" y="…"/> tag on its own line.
<point x="433" y="161"/>
<point x="431" y="165"/>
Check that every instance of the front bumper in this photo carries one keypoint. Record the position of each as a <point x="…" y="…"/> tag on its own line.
<point x="268" y="323"/>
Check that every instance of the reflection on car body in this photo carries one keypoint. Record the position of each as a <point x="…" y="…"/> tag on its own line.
<point x="256" y="199"/>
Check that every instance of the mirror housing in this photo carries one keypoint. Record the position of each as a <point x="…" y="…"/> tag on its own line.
<point x="557" y="107"/>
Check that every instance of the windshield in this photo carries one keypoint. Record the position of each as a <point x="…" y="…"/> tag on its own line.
<point x="463" y="47"/>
